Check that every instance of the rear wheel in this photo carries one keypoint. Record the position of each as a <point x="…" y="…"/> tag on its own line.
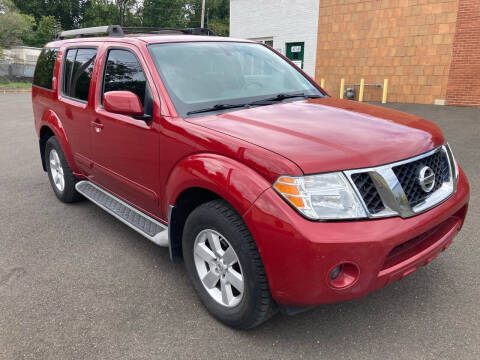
<point x="224" y="265"/>
<point x="60" y="175"/>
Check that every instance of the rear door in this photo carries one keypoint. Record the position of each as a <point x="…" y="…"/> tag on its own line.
<point x="76" y="98"/>
<point x="125" y="150"/>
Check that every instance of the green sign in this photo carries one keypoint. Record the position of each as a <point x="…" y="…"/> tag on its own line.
<point x="295" y="52"/>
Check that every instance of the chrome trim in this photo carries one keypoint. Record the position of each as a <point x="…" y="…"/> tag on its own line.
<point x="391" y="191"/>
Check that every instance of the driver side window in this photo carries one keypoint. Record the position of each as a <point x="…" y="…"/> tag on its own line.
<point x="124" y="72"/>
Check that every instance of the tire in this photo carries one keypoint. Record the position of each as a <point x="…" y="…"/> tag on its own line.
<point x="59" y="173"/>
<point x="246" y="309"/>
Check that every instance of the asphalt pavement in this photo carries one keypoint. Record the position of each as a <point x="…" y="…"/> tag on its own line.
<point x="75" y="283"/>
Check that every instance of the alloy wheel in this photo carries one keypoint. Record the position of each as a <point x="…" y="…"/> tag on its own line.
<point x="218" y="268"/>
<point x="56" y="170"/>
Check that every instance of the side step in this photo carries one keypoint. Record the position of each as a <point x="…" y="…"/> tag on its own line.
<point x="137" y="220"/>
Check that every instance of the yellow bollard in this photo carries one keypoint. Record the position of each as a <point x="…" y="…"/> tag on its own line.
<point x="322" y="83"/>
<point x="362" y="86"/>
<point x="385" y="90"/>
<point x="342" y="88"/>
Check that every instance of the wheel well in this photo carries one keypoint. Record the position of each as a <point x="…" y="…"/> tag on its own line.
<point x="186" y="202"/>
<point x="45" y="134"/>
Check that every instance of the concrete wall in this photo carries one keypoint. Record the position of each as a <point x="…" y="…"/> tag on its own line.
<point x="281" y="20"/>
<point x="18" y="62"/>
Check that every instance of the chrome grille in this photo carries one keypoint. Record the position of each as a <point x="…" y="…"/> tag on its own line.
<point x="407" y="174"/>
<point x="394" y="189"/>
<point x="367" y="189"/>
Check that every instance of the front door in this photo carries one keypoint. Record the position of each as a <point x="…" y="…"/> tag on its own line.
<point x="295" y="52"/>
<point x="125" y="150"/>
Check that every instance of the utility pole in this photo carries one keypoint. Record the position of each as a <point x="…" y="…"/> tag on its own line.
<point x="202" y="22"/>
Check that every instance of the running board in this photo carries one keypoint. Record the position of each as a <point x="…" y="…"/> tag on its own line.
<point x="137" y="220"/>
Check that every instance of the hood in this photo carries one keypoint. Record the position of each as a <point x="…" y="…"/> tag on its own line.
<point x="322" y="135"/>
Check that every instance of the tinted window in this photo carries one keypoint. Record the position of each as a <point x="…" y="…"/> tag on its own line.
<point x="124" y="72"/>
<point x="67" y="70"/>
<point x="44" y="70"/>
<point x="78" y="69"/>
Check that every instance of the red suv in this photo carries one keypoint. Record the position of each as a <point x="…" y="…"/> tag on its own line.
<point x="275" y="195"/>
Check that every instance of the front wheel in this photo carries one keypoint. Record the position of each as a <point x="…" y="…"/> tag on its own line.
<point x="224" y="265"/>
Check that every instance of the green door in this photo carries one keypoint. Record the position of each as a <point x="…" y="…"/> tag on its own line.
<point x="295" y="52"/>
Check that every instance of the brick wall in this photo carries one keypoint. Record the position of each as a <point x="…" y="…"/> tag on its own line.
<point x="464" y="79"/>
<point x="410" y="42"/>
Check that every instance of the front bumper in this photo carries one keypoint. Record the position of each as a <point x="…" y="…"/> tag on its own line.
<point x="299" y="254"/>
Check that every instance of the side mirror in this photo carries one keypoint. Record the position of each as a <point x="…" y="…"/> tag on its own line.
<point x="123" y="102"/>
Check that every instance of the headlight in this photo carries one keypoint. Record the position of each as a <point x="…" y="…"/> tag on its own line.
<point x="321" y="197"/>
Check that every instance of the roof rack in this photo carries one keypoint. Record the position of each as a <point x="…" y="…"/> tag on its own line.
<point x="159" y="30"/>
<point x="118" y="31"/>
<point x="111" y="30"/>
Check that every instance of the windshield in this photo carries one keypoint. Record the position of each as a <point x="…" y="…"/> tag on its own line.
<point x="200" y="75"/>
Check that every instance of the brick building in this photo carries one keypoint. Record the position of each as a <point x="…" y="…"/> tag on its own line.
<point x="428" y="49"/>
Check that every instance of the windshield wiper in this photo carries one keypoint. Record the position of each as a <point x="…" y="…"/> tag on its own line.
<point x="284" y="96"/>
<point x="266" y="101"/>
<point x="216" y="107"/>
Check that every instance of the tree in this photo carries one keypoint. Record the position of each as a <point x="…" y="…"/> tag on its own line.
<point x="47" y="28"/>
<point x="110" y="12"/>
<point x="218" y="16"/>
<point x="14" y="26"/>
<point x="165" y="13"/>
<point x="124" y="9"/>
<point x="51" y="15"/>
<point x="67" y="12"/>
<point x="99" y="12"/>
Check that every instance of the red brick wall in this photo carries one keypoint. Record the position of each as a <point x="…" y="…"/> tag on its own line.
<point x="410" y="42"/>
<point x="464" y="78"/>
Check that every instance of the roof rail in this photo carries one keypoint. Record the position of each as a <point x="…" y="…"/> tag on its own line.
<point x="117" y="30"/>
<point x="111" y="30"/>
<point x="159" y="30"/>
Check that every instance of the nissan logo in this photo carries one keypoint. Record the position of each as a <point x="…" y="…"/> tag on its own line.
<point x="426" y="179"/>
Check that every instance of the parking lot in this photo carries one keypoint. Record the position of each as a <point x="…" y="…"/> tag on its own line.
<point x="77" y="284"/>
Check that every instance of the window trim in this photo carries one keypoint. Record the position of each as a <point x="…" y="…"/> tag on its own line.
<point x="62" y="80"/>
<point x="104" y="68"/>
<point x="53" y="70"/>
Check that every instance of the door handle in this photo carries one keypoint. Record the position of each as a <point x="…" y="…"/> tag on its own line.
<point x="97" y="125"/>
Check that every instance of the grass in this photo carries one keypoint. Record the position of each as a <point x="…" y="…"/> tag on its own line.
<point x="15" y="85"/>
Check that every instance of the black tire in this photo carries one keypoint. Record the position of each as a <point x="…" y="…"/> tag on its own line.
<point x="69" y="194"/>
<point x="256" y="305"/>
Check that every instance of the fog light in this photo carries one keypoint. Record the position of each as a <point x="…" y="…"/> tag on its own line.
<point x="343" y="275"/>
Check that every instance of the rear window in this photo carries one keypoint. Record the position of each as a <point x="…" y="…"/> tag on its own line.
<point x="77" y="72"/>
<point x="44" y="69"/>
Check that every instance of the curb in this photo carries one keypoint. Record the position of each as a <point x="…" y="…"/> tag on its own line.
<point x="14" y="91"/>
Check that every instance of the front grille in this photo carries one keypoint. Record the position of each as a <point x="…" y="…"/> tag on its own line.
<point x="369" y="192"/>
<point x="399" y="190"/>
<point x="408" y="173"/>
